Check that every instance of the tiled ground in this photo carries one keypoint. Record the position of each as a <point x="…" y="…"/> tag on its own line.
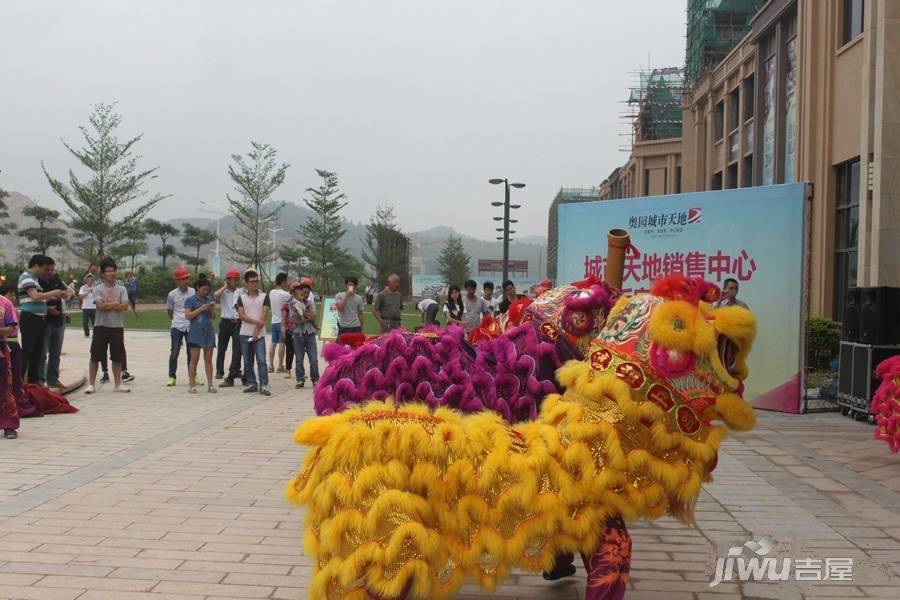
<point x="161" y="494"/>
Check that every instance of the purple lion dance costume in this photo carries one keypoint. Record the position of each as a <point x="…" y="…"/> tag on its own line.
<point x="508" y="369"/>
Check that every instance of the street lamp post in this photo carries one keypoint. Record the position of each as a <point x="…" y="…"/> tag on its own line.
<point x="274" y="230"/>
<point x="219" y="211"/>
<point x="506" y="220"/>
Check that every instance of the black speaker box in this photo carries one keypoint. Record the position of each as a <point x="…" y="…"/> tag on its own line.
<point x="850" y="322"/>
<point x="879" y="315"/>
<point x="856" y="381"/>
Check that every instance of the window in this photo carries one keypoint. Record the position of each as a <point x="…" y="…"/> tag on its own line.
<point x="853" y="20"/>
<point x="734" y="108"/>
<point x="749" y="97"/>
<point x="717" y="181"/>
<point x="846" y="233"/>
<point x="720" y="121"/>
<point x="646" y="182"/>
<point x="732" y="179"/>
<point x="677" y="180"/>
<point x="747" y="172"/>
<point x="789" y="168"/>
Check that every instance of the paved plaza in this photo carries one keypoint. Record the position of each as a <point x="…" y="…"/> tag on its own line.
<point x="164" y="495"/>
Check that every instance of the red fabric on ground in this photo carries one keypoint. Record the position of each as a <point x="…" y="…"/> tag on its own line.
<point x="48" y="401"/>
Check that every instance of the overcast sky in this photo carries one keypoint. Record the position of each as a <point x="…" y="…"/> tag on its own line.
<point x="413" y="103"/>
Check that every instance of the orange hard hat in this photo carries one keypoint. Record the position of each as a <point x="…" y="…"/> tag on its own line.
<point x="233" y="273"/>
<point x="307" y="280"/>
<point x="181" y="273"/>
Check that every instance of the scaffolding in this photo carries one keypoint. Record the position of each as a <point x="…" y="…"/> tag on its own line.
<point x="714" y="27"/>
<point x="653" y="108"/>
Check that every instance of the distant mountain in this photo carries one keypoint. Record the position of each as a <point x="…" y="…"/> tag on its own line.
<point x="426" y="244"/>
<point x="16" y="249"/>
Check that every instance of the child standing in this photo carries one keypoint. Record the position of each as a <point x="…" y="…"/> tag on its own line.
<point x="199" y="310"/>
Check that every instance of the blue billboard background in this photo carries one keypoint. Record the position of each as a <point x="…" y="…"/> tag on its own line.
<point x="755" y="235"/>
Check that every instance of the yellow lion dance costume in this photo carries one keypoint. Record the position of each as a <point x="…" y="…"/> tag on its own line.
<point x="406" y="501"/>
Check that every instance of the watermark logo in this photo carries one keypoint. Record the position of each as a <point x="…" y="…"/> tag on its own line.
<point x="759" y="567"/>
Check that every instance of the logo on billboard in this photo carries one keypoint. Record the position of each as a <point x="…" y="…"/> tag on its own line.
<point x="694" y="215"/>
<point x="666" y="221"/>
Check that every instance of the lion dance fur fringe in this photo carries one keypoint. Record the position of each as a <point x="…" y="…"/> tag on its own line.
<point x="403" y="497"/>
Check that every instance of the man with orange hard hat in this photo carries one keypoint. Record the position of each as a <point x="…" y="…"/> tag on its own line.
<point x="229" y="328"/>
<point x="180" y="324"/>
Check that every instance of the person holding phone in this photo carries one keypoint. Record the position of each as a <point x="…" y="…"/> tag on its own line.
<point x="199" y="310"/>
<point x="349" y="305"/>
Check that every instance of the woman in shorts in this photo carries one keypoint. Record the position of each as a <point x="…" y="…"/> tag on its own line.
<point x="199" y="310"/>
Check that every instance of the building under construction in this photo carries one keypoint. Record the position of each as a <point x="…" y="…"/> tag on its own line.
<point x="654" y="109"/>
<point x="714" y="27"/>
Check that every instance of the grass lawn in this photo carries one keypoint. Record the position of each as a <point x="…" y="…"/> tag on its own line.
<point x="158" y="320"/>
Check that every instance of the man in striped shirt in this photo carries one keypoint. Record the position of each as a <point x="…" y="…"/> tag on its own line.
<point x="33" y="314"/>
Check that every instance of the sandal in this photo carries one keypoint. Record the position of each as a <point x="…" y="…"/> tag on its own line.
<point x="192" y="389"/>
<point x="121" y="390"/>
<point x="212" y="390"/>
<point x="90" y="390"/>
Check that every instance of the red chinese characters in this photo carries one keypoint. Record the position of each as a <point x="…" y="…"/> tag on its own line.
<point x="661" y="396"/>
<point x="631" y="373"/>
<point x="643" y="268"/>
<point x="600" y="359"/>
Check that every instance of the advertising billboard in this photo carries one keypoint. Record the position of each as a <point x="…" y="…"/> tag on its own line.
<point x="754" y="235"/>
<point x="431" y="286"/>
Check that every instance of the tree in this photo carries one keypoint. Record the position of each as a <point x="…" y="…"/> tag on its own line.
<point x="115" y="182"/>
<point x="255" y="179"/>
<point x="135" y="243"/>
<point x="454" y="262"/>
<point x="385" y="248"/>
<point x="83" y="247"/>
<point x="164" y="231"/>
<point x="43" y="238"/>
<point x="195" y="237"/>
<point x="320" y="236"/>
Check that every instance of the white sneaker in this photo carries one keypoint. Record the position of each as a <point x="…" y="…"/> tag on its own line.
<point x="90" y="390"/>
<point x="122" y="389"/>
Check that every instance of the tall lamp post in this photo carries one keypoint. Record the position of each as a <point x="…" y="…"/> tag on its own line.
<point x="506" y="220"/>
<point x="219" y="211"/>
<point x="273" y="242"/>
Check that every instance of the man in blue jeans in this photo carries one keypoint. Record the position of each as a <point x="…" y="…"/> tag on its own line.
<point x="56" y="329"/>
<point x="253" y="308"/>
<point x="303" y="314"/>
<point x="180" y="324"/>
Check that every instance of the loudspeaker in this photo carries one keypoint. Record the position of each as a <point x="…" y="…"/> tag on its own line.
<point x="845" y="370"/>
<point x="879" y="316"/>
<point x="850" y="323"/>
<point x="856" y="378"/>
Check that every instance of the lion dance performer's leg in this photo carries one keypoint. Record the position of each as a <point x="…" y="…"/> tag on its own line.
<point x="608" y="567"/>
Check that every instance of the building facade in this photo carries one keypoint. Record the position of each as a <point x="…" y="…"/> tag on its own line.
<point x="810" y="94"/>
<point x="564" y="196"/>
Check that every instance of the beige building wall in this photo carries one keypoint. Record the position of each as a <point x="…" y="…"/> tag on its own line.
<point x="653" y="169"/>
<point x="848" y="108"/>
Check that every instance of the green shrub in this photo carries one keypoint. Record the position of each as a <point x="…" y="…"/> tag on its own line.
<point x="823" y="340"/>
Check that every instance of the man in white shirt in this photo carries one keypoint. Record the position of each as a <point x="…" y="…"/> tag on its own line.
<point x="475" y="306"/>
<point x="429" y="309"/>
<point x="253" y="309"/>
<point x="229" y="329"/>
<point x="179" y="322"/>
<point x="278" y="296"/>
<point x="729" y="295"/>
<point x="488" y="295"/>
<point x="88" y="308"/>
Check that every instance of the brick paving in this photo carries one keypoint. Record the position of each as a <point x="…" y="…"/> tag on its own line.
<point x="165" y="495"/>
